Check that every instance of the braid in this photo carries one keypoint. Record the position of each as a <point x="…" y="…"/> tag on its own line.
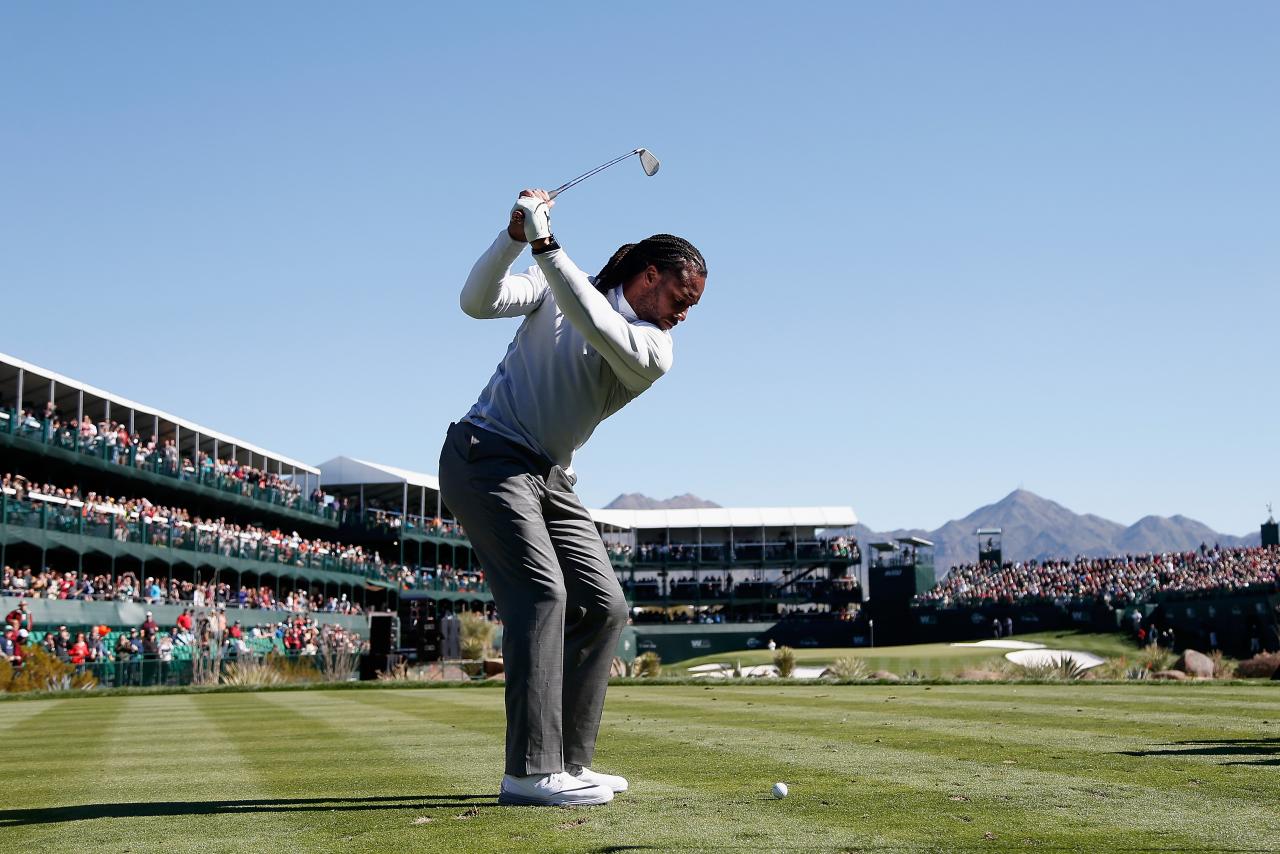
<point x="665" y="251"/>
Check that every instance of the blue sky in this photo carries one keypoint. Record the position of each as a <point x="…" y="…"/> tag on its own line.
<point x="953" y="248"/>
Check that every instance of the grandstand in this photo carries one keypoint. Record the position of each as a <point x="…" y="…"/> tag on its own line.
<point x="115" y="514"/>
<point x="111" y="510"/>
<point x="1211" y="598"/>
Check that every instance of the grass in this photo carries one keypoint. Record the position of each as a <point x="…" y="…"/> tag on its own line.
<point x="928" y="659"/>
<point x="1096" y="768"/>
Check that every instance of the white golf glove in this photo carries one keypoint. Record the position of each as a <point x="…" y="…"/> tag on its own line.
<point x="537" y="217"/>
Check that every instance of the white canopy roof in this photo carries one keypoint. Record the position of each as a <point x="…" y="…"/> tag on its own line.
<point x="117" y="400"/>
<point x="729" y="517"/>
<point x="350" y="471"/>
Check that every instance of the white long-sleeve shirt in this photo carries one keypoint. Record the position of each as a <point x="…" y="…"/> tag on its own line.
<point x="578" y="357"/>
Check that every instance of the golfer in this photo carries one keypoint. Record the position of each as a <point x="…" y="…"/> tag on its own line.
<point x="585" y="349"/>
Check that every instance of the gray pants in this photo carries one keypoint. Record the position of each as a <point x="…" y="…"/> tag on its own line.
<point x="561" y="606"/>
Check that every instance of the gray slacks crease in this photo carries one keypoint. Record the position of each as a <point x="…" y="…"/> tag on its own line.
<point x="561" y="606"/>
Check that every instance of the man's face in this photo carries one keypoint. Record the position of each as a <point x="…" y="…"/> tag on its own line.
<point x="664" y="298"/>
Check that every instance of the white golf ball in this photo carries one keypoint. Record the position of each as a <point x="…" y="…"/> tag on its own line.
<point x="779" y="790"/>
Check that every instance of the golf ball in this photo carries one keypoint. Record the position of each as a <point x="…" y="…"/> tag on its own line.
<point x="779" y="790"/>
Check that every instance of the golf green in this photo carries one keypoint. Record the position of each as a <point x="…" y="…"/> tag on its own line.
<point x="989" y="767"/>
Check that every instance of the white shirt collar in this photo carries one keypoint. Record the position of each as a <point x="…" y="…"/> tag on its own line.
<point x="620" y="303"/>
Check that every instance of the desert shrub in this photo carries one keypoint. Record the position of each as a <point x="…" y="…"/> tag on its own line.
<point x="1261" y="666"/>
<point x="847" y="667"/>
<point x="337" y="665"/>
<point x="648" y="665"/>
<point x="476" y="635"/>
<point x="1223" y="667"/>
<point x="295" y="668"/>
<point x="475" y="641"/>
<point x="251" y="671"/>
<point x="41" y="671"/>
<point x="1156" y="658"/>
<point x="402" y="672"/>
<point x="1114" y="668"/>
<point x="784" y="658"/>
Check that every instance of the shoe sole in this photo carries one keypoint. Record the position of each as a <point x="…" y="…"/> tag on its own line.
<point x="508" y="799"/>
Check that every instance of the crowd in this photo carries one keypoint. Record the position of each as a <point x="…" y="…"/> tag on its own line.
<point x="845" y="548"/>
<point x="155" y="590"/>
<point x="139" y="520"/>
<point x="1116" y="581"/>
<point x="442" y="577"/>
<point x="298" y="634"/>
<point x="112" y="440"/>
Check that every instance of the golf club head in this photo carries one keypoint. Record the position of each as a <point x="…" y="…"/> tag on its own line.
<point x="648" y="162"/>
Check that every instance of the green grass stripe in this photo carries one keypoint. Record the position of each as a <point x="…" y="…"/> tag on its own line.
<point x="659" y="778"/>
<point x="1121" y="800"/>
<point x="1107" y="788"/>
<point x="14" y="716"/>
<point x="926" y="771"/>
<point x="369" y="784"/>
<point x="56" y="757"/>
<point x="1073" y="711"/>
<point x="166" y="767"/>
<point x="1089" y="756"/>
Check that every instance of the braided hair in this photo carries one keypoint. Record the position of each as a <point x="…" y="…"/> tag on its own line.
<point x="670" y="254"/>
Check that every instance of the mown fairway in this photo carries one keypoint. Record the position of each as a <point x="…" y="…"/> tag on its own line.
<point x="1094" y="768"/>
<point x="929" y="660"/>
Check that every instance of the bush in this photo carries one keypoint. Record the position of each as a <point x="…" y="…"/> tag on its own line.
<point x="784" y="658"/>
<point x="41" y="671"/>
<point x="648" y="665"/>
<point x="847" y="668"/>
<point x="1156" y="658"/>
<point x="1223" y="667"/>
<point x="251" y="671"/>
<point x="1262" y="666"/>
<point x="1114" y="668"/>
<point x="1065" y="669"/>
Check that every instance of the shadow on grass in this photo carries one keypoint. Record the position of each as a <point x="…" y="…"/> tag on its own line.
<point x="154" y="809"/>
<point x="1225" y="747"/>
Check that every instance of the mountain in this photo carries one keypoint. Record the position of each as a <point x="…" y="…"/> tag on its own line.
<point x="1036" y="528"/>
<point x="637" y="501"/>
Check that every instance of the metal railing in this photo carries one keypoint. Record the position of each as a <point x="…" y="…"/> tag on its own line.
<point x="202" y="472"/>
<point x="723" y="554"/>
<point x="57" y="514"/>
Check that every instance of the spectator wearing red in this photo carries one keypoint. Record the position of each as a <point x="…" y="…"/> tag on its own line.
<point x="149" y="625"/>
<point x="79" y="650"/>
<point x="235" y="631"/>
<point x="21" y="617"/>
<point x="184" y="620"/>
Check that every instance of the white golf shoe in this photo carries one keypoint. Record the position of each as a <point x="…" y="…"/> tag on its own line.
<point x="612" y="782"/>
<point x="552" y="790"/>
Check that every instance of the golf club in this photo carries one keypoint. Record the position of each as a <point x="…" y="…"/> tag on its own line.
<point x="647" y="162"/>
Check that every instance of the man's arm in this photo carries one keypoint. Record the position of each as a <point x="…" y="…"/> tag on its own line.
<point x="492" y="291"/>
<point x="639" y="353"/>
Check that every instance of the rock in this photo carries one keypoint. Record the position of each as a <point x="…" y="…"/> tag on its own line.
<point x="1195" y="664"/>
<point x="886" y="676"/>
<point x="1176" y="675"/>
<point x="496" y="677"/>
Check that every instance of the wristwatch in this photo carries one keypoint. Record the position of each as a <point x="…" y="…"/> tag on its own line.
<point x="550" y="245"/>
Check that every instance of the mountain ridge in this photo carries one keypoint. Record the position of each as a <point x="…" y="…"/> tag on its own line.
<point x="1037" y="528"/>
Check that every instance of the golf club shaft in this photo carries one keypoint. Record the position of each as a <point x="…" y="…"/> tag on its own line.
<point x="584" y="176"/>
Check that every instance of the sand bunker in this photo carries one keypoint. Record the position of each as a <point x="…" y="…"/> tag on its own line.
<point x="1052" y="657"/>
<point x="1002" y="644"/>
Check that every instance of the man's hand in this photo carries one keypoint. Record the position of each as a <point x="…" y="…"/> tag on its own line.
<point x="529" y="216"/>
